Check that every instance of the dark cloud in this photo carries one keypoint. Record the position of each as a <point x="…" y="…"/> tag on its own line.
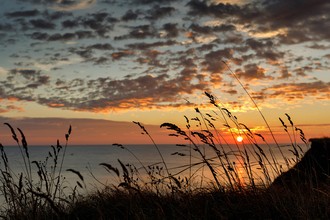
<point x="292" y="91"/>
<point x="208" y="30"/>
<point x="259" y="44"/>
<point x="39" y="36"/>
<point x="141" y="92"/>
<point x="61" y="4"/>
<point x="285" y="74"/>
<point x="70" y="23"/>
<point x="67" y="3"/>
<point x="101" y="61"/>
<point x="29" y="13"/>
<point x="157" y="12"/>
<point x="14" y="55"/>
<point x="283" y="13"/>
<point x="300" y="72"/>
<point x="244" y="14"/>
<point x="121" y="54"/>
<point x="105" y="46"/>
<point x="206" y="47"/>
<point x="327" y="56"/>
<point x="101" y="23"/>
<point x="85" y="53"/>
<point x="61" y="37"/>
<point x="237" y="60"/>
<point x="294" y="37"/>
<point x="171" y="30"/>
<point x="201" y="29"/>
<point x="224" y="28"/>
<point x="318" y="47"/>
<point x="26" y="73"/>
<point x="43" y="24"/>
<point x="84" y="34"/>
<point x="147" y="2"/>
<point x="157" y="42"/>
<point x="6" y="27"/>
<point x="139" y="32"/>
<point x="56" y="15"/>
<point x="64" y="37"/>
<point x="111" y="2"/>
<point x="302" y="19"/>
<point x="213" y="61"/>
<point x="130" y="15"/>
<point x="299" y="59"/>
<point x="270" y="55"/>
<point x="30" y="78"/>
<point x="151" y="58"/>
<point x="252" y="72"/>
<point x="230" y="92"/>
<point x="105" y="94"/>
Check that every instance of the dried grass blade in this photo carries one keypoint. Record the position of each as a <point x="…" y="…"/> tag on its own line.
<point x="24" y="143"/>
<point x="109" y="167"/>
<point x="77" y="173"/>
<point x="12" y="131"/>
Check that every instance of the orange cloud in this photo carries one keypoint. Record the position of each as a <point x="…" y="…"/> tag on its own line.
<point x="190" y="34"/>
<point x="152" y="53"/>
<point x="56" y="104"/>
<point x="12" y="99"/>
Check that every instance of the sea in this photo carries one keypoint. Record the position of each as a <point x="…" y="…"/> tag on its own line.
<point x="180" y="161"/>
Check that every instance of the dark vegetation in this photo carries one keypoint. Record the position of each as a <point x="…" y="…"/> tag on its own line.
<point x="300" y="193"/>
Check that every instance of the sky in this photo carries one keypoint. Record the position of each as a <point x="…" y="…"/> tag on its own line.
<point x="98" y="65"/>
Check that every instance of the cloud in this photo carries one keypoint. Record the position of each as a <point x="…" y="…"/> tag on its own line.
<point x="208" y="30"/>
<point x="70" y="23"/>
<point x="318" y="46"/>
<point x="259" y="44"/>
<point x="245" y="13"/>
<point x="6" y="27"/>
<point x="171" y="30"/>
<point x="213" y="60"/>
<point x="3" y="71"/>
<point x="130" y="15"/>
<point x="121" y="54"/>
<point x="157" y="12"/>
<point x="160" y="51"/>
<point x="139" y="32"/>
<point x="74" y="5"/>
<point x="11" y="108"/>
<point x="252" y="72"/>
<point x="294" y="91"/>
<point x="270" y="55"/>
<point x="147" y="2"/>
<point x="105" y="94"/>
<point x="144" y="92"/>
<point x="42" y="24"/>
<point x="57" y="63"/>
<point x="146" y="46"/>
<point x="61" y="37"/>
<point x="285" y="74"/>
<point x="327" y="56"/>
<point x="298" y="21"/>
<point x="28" y="13"/>
<point x="56" y="14"/>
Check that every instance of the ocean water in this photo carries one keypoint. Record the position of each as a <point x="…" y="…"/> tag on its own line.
<point x="86" y="160"/>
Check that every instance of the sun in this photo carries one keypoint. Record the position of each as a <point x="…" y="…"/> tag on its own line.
<point x="239" y="139"/>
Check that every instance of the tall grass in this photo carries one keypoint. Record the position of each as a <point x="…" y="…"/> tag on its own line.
<point x="224" y="194"/>
<point x="28" y="198"/>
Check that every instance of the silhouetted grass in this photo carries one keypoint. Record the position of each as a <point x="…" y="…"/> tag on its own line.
<point x="180" y="195"/>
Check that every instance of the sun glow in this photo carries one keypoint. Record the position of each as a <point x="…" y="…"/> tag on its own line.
<point x="239" y="139"/>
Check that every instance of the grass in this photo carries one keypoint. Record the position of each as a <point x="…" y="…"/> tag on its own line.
<point x="163" y="195"/>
